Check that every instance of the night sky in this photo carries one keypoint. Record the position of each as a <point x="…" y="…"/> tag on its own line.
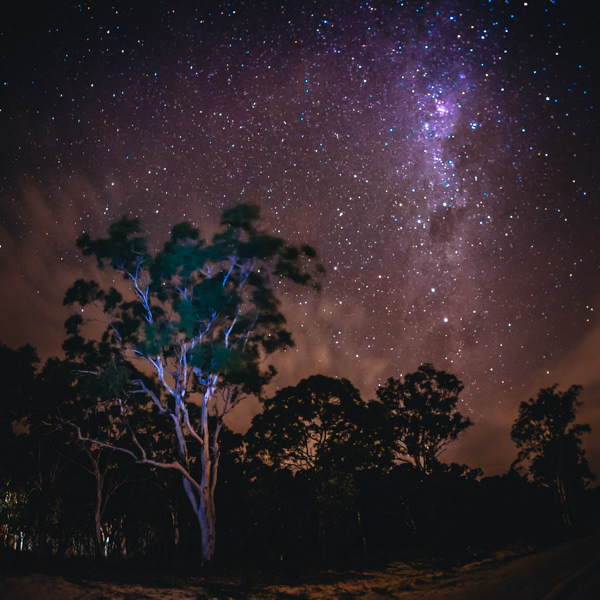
<point x="441" y="156"/>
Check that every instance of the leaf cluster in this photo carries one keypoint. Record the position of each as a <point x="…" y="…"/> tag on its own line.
<point x="423" y="410"/>
<point x="122" y="250"/>
<point x="548" y="437"/>
<point x="211" y="305"/>
<point x="312" y="425"/>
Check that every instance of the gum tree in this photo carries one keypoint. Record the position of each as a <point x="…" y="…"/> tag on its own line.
<point x="79" y="398"/>
<point x="550" y="443"/>
<point x="310" y="426"/>
<point x="201" y="317"/>
<point x="423" y="414"/>
<point x="316" y="429"/>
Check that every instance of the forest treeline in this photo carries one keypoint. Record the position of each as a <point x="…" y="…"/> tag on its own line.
<point x="120" y="448"/>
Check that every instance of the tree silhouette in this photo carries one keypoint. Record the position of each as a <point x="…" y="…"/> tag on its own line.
<point x="308" y="426"/>
<point x="315" y="431"/>
<point x="80" y="397"/>
<point x="17" y="384"/>
<point x="550" y="442"/>
<point x="201" y="316"/>
<point x="422" y="409"/>
<point x="17" y="392"/>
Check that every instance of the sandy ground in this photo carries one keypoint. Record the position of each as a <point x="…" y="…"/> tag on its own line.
<point x="51" y="587"/>
<point x="568" y="571"/>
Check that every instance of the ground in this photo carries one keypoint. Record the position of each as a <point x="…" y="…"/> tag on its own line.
<point x="570" y="570"/>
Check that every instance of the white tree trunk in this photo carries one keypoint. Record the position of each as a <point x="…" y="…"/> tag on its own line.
<point x="204" y="509"/>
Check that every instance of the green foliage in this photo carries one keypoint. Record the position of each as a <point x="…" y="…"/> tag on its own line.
<point x="82" y="292"/>
<point x="422" y="409"/>
<point x="205" y="301"/>
<point x="88" y="292"/>
<point x="156" y="337"/>
<point x="202" y="316"/>
<point x="122" y="250"/>
<point x="184" y="232"/>
<point x="183" y="255"/>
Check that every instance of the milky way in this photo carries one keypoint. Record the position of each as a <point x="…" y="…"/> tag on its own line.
<point x="441" y="156"/>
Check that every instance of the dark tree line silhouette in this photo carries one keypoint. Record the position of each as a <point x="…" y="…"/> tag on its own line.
<point x="120" y="448"/>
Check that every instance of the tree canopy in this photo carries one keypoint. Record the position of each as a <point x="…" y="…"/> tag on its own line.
<point x="153" y="365"/>
<point x="201" y="316"/>
<point x="311" y="425"/>
<point x="423" y="410"/>
<point x="549" y="442"/>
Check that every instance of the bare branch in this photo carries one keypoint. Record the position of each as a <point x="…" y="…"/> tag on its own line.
<point x="142" y="294"/>
<point x="174" y="465"/>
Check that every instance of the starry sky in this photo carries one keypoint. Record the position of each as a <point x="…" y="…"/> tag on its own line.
<point x="441" y="156"/>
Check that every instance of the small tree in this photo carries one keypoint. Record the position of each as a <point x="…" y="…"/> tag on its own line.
<point x="201" y="316"/>
<point x="550" y="442"/>
<point x="422" y="409"/>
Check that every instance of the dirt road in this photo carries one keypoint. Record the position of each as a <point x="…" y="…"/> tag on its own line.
<point x="568" y="571"/>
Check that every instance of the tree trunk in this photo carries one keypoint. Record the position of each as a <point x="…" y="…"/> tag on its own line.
<point x="122" y="539"/>
<point x="175" y="522"/>
<point x="361" y="533"/>
<point x="99" y="537"/>
<point x="204" y="499"/>
<point x="569" y="517"/>
<point x="203" y="506"/>
<point x="206" y="517"/>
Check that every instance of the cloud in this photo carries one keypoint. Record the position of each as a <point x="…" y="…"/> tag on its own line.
<point x="581" y="365"/>
<point x="38" y="262"/>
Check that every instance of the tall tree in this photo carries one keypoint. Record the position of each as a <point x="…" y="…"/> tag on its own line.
<point x="80" y="397"/>
<point x="201" y="316"/>
<point x="422" y="409"/>
<point x="18" y="371"/>
<point x="315" y="430"/>
<point x="309" y="426"/>
<point x="550" y="443"/>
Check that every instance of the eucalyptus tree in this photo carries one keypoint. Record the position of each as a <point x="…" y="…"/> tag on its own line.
<point x="549" y="442"/>
<point x="18" y="370"/>
<point x="201" y="317"/>
<point x="317" y="430"/>
<point x="309" y="426"/>
<point x="79" y="398"/>
<point x="423" y="411"/>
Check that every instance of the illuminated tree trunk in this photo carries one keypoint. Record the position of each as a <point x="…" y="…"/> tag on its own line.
<point x="201" y="494"/>
<point x="99" y="536"/>
<point x="203" y="506"/>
